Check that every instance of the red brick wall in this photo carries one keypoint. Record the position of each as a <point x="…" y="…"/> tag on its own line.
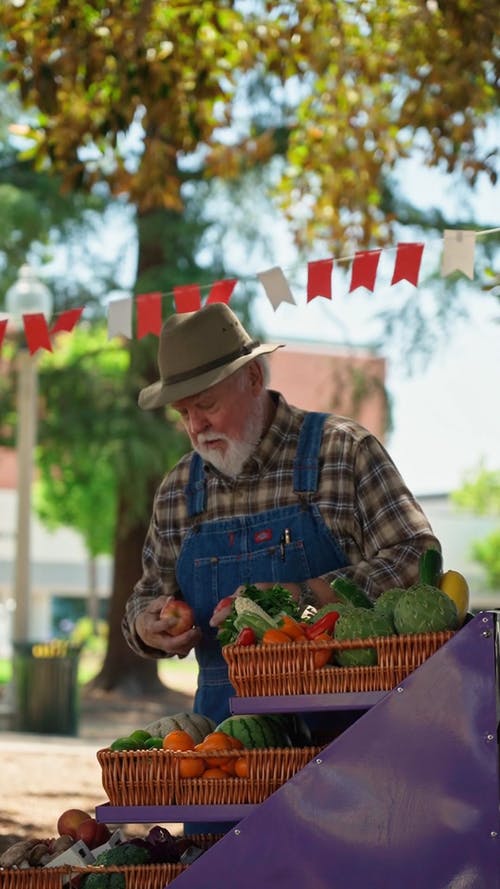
<point x="347" y="383"/>
<point x="8" y="474"/>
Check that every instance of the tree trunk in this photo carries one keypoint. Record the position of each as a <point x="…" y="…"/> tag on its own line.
<point x="93" y="598"/>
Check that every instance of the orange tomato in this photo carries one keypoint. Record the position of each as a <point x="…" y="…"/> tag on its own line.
<point x="214" y="773"/>
<point x="216" y="741"/>
<point x="178" y="739"/>
<point x="241" y="767"/>
<point x="322" y="655"/>
<point x="236" y="744"/>
<point x="191" y="766"/>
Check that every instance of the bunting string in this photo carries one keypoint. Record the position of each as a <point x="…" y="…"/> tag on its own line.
<point x="458" y="250"/>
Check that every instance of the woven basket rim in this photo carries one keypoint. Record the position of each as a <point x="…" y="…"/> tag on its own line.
<point x="394" y="639"/>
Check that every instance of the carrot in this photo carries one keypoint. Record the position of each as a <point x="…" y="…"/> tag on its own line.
<point x="291" y="627"/>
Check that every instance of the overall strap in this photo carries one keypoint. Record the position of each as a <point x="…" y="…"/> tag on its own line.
<point x="306" y="463"/>
<point x="195" y="489"/>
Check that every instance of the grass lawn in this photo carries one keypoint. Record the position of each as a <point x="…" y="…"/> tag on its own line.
<point x="172" y="671"/>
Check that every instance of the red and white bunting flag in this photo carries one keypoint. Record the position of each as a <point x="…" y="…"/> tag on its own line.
<point x="458" y="252"/>
<point x="120" y="318"/>
<point x="66" y="321"/>
<point x="276" y="287"/>
<point x="148" y="314"/>
<point x="319" y="279"/>
<point x="221" y="291"/>
<point x="364" y="269"/>
<point x="37" y="332"/>
<point x="407" y="265"/>
<point x="3" y="328"/>
<point x="187" y="298"/>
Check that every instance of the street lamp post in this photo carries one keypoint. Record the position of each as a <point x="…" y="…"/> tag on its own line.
<point x="28" y="295"/>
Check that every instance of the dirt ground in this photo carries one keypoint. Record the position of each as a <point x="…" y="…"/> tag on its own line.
<point x="42" y="775"/>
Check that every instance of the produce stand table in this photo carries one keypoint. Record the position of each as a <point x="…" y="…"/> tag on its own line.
<point x="407" y="796"/>
<point x="307" y="703"/>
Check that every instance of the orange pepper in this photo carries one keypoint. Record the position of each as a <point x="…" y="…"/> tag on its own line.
<point x="322" y="655"/>
<point x="292" y="627"/>
<point x="275" y="636"/>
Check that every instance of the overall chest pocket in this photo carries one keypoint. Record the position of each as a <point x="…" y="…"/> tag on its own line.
<point x="219" y="576"/>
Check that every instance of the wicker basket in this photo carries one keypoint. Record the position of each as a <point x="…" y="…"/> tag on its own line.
<point x="267" y="769"/>
<point x="138" y="876"/>
<point x="143" y="876"/>
<point x="31" y="877"/>
<point x="129" y="785"/>
<point x="138" y="777"/>
<point x="289" y="668"/>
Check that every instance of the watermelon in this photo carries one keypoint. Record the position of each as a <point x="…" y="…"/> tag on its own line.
<point x="255" y="731"/>
<point x="295" y="727"/>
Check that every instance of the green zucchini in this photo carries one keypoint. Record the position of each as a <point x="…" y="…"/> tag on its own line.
<point x="350" y="592"/>
<point x="339" y="607"/>
<point x="430" y="567"/>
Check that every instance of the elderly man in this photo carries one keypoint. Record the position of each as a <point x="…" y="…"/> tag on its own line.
<point x="269" y="494"/>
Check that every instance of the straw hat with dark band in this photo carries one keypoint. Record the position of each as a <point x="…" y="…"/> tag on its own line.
<point x="197" y="350"/>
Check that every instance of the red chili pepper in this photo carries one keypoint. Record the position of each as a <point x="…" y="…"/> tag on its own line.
<point x="246" y="636"/>
<point x="324" y="625"/>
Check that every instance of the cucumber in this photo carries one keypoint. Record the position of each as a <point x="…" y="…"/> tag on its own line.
<point x="339" y="607"/>
<point x="350" y="592"/>
<point x="430" y="567"/>
<point x="254" y="731"/>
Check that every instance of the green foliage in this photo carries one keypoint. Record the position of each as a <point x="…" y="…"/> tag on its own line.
<point x="94" y="440"/>
<point x="84" y="634"/>
<point x="486" y="552"/>
<point x="343" y="93"/>
<point x="480" y="494"/>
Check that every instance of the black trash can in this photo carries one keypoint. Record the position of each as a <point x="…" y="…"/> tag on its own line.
<point x="46" y="687"/>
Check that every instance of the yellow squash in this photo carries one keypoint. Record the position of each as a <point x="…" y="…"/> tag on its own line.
<point x="456" y="587"/>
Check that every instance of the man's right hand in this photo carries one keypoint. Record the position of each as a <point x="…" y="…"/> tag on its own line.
<point x="153" y="631"/>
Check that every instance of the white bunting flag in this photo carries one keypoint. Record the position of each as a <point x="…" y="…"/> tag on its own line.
<point x="276" y="287"/>
<point x="458" y="252"/>
<point x="120" y="318"/>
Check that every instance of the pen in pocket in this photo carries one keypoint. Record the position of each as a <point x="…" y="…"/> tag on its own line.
<point x="285" y="539"/>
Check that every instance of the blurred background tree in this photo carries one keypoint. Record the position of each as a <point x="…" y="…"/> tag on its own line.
<point x="480" y="495"/>
<point x="164" y="106"/>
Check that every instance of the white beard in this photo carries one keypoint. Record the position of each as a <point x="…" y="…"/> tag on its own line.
<point x="231" y="462"/>
<point x="237" y="452"/>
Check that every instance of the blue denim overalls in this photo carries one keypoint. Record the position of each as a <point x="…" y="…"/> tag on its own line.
<point x="217" y="556"/>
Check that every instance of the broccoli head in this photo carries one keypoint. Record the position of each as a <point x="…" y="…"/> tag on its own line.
<point x="119" y="856"/>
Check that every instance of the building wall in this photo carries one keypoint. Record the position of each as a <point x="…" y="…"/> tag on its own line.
<point x="318" y="378"/>
<point x="59" y="566"/>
